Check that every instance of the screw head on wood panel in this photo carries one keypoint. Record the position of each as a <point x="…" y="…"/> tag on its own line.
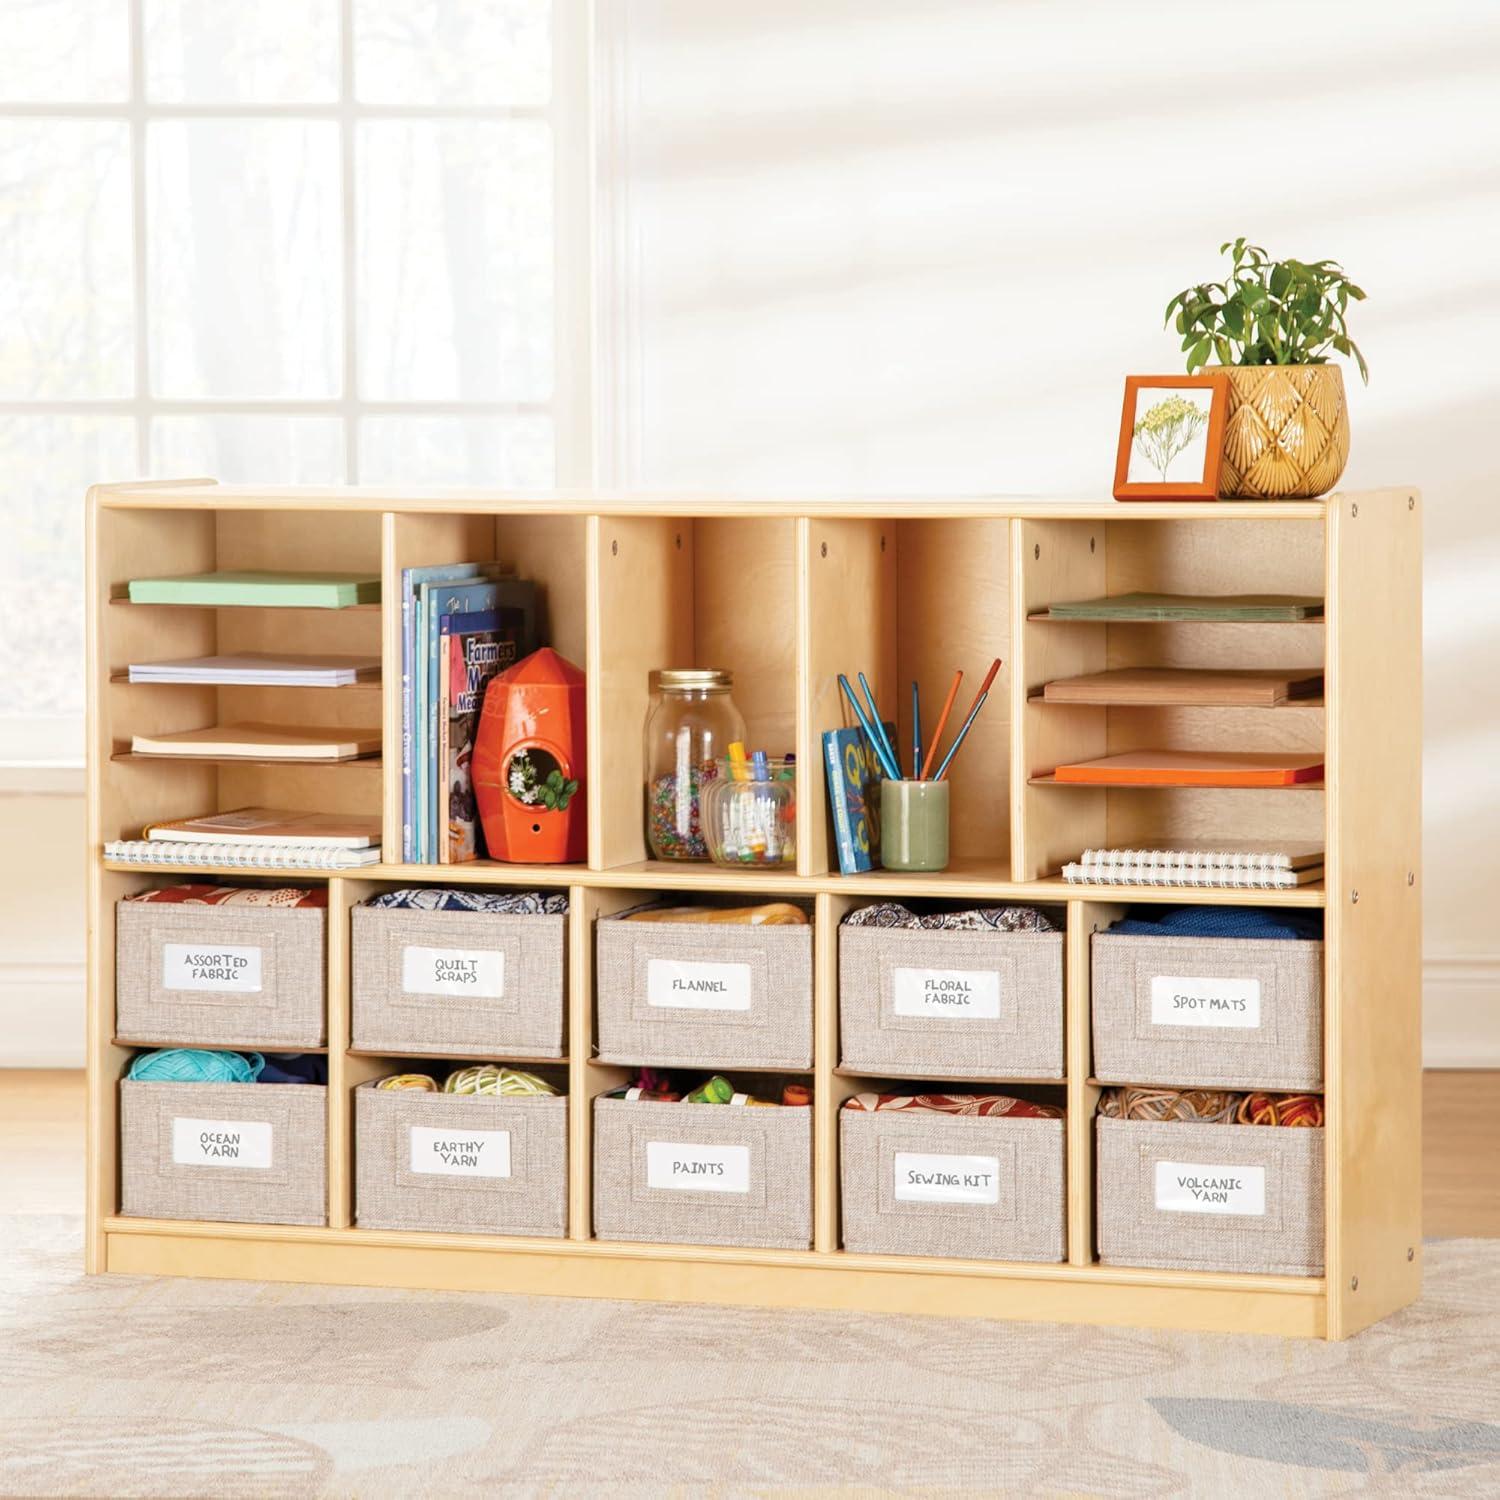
<point x="1354" y="1283"/>
<point x="1411" y="1253"/>
<point x="614" y="549"/>
<point x="1411" y="502"/>
<point x="1354" y="508"/>
<point x="1036" y="552"/>
<point x="679" y="541"/>
<point x="1091" y="544"/>
<point x="1354" y="897"/>
<point x="823" y="550"/>
<point x="882" y="544"/>
<point x="1411" y="877"/>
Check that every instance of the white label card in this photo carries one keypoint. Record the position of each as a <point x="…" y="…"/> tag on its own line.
<point x="1177" y="1001"/>
<point x="204" y="966"/>
<point x="924" y="1178"/>
<point x="479" y="972"/>
<point x="460" y="1153"/>
<point x="1205" y="1188"/>
<point x="967" y="994"/>
<point x="675" y="985"/>
<point x="220" y="1143"/>
<point x="703" y="1169"/>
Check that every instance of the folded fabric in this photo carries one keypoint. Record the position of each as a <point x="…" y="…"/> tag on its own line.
<point x="440" y="898"/>
<point x="992" y="918"/>
<point x="235" y="895"/>
<point x="1220" y="922"/>
<point x="1211" y="1106"/>
<point x="294" y="1067"/>
<point x="768" y="914"/>
<point x="987" y="1105"/>
<point x="196" y="1065"/>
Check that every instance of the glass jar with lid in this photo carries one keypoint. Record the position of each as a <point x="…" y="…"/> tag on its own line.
<point x="690" y="725"/>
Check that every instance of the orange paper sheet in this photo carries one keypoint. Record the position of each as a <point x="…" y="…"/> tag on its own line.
<point x="1193" y="768"/>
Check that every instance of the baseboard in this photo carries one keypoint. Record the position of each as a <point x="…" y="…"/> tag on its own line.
<point x="41" y="1015"/>
<point x="1461" y="1012"/>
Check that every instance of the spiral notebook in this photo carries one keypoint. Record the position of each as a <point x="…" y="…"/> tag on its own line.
<point x="176" y="854"/>
<point x="1240" y="866"/>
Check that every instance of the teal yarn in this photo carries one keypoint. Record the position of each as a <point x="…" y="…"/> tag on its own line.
<point x="195" y="1065"/>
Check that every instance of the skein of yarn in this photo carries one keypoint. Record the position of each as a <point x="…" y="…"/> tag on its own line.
<point x="196" y="1065"/>
<point x="1280" y="1109"/>
<point x="1207" y="1106"/>
<point x="486" y="1078"/>
<point x="418" y="1081"/>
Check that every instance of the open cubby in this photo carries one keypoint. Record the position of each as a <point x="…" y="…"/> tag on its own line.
<point x="787" y="594"/>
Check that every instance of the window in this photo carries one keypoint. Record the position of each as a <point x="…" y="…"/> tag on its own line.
<point x="300" y="241"/>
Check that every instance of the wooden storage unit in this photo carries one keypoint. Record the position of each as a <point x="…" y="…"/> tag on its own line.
<point x="787" y="593"/>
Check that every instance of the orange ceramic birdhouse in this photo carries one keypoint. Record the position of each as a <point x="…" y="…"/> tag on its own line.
<point x="529" y="763"/>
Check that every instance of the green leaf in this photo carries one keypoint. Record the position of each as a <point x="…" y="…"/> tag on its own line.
<point x="1281" y="279"/>
<point x="1198" y="354"/>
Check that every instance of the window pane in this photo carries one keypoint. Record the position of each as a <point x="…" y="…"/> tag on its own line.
<point x="512" y="452"/>
<point x="65" y="51"/>
<point x="453" y="51"/>
<point x="243" y="246"/>
<point x="65" y="260"/>
<point x="249" y="449"/>
<point x="455" y="260"/>
<point x="46" y="463"/>
<point x="268" y="52"/>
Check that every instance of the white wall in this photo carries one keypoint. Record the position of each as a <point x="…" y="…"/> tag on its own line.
<point x="875" y="246"/>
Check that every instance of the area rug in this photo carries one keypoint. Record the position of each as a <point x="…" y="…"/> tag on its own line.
<point x="117" y="1386"/>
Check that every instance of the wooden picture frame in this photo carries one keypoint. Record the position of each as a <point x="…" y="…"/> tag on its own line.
<point x="1205" y="486"/>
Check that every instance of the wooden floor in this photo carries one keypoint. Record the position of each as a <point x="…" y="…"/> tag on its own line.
<point x="41" y="1148"/>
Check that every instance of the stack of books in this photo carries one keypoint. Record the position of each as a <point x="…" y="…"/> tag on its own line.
<point x="256" y="838"/>
<point x="1257" y="866"/>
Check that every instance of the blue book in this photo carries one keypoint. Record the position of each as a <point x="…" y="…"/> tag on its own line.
<point x="411" y="581"/>
<point x="854" y="779"/>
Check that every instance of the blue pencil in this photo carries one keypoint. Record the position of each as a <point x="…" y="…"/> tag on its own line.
<point x="890" y="749"/>
<point x="916" y="732"/>
<point x="959" y="738"/>
<point x="864" y="722"/>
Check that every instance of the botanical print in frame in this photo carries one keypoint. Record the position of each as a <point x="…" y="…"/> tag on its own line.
<point x="1171" y="437"/>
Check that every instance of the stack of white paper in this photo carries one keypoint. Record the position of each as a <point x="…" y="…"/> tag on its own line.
<point x="260" y="669"/>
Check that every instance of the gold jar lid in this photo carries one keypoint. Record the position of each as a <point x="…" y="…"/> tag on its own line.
<point x="692" y="680"/>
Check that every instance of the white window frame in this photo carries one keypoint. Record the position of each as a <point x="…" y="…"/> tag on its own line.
<point x="28" y="745"/>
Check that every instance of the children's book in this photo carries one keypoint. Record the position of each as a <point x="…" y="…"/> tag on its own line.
<point x="472" y="649"/>
<point x="268" y="825"/>
<point x="854" y="779"/>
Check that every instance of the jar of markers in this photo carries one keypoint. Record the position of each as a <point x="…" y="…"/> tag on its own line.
<point x="690" y="724"/>
<point x="750" y="811"/>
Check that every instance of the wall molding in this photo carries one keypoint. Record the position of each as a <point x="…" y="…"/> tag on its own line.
<point x="42" y="1009"/>
<point x="1461" y="1012"/>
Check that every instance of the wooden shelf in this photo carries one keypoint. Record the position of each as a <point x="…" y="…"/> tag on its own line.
<point x="260" y="609"/>
<point x="274" y="1049"/>
<point x="1160" y="786"/>
<point x="1038" y="695"/>
<point x="405" y="1054"/>
<point x="962" y="1085"/>
<point x="1043" y="617"/>
<point x="357" y="762"/>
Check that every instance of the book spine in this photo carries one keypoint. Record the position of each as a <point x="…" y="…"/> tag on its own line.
<point x="407" y="708"/>
<point x="444" y="710"/>
<point x="838" y="802"/>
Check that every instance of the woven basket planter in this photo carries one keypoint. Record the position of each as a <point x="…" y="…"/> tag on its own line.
<point x="1286" y="434"/>
<point x="952" y="1185"/>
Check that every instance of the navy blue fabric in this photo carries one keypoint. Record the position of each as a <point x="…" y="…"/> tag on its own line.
<point x="294" y="1067"/>
<point x="1220" y="922"/>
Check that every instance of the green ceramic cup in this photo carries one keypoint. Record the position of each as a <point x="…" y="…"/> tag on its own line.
<point x="914" y="825"/>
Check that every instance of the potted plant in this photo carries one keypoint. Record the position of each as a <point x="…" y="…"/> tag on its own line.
<point x="1273" y="325"/>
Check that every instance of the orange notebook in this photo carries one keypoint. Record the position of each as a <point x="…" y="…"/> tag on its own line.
<point x="1193" y="768"/>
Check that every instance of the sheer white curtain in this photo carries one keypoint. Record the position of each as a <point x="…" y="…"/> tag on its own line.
<point x="294" y="241"/>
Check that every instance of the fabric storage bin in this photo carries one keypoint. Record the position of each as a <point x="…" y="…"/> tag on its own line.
<point x="704" y="994"/>
<point x="965" y="1004"/>
<point x="706" y="1174"/>
<point x="1212" y="1012"/>
<point x="484" y="1163"/>
<point x="247" y="1153"/>
<point x="1192" y="1197"/>
<point x="952" y="1185"/>
<point x="251" y="976"/>
<point x="458" y="983"/>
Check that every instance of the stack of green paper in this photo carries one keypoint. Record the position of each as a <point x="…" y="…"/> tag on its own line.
<point x="1254" y="608"/>
<point x="300" y="590"/>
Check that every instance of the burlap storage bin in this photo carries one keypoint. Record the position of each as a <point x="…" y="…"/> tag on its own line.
<point x="510" y="1006"/>
<point x="761" y="1157"/>
<point x="754" y="1009"/>
<point x="260" y="982"/>
<point x="951" y="1004"/>
<point x="248" y="1153"/>
<point x="953" y="1185"/>
<point x="512" y="1180"/>
<point x="1208" y="1012"/>
<point x="1270" y="1220"/>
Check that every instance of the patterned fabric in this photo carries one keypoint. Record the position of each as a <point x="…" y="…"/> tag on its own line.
<point x="993" y="918"/>
<point x="1221" y="922"/>
<point x="987" y="1105"/>
<point x="439" y="898"/>
<point x="1211" y="1106"/>
<point x="235" y="895"/>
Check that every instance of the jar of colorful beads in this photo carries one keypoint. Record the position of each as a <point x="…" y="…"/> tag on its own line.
<point x="690" y="725"/>
<point x="752" y="819"/>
